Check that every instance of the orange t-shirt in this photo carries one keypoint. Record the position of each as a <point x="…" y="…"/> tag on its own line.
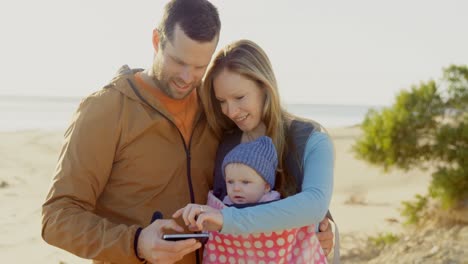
<point x="183" y="111"/>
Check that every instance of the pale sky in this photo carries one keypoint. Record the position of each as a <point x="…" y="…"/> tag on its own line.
<point x="323" y="52"/>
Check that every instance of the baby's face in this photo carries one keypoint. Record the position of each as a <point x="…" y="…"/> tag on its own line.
<point x="244" y="185"/>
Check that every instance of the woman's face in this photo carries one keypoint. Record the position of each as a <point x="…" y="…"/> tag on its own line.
<point x="240" y="98"/>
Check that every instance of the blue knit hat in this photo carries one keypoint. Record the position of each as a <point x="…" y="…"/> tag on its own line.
<point x="259" y="154"/>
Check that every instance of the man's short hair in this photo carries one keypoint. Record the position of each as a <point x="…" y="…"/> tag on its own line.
<point x="198" y="19"/>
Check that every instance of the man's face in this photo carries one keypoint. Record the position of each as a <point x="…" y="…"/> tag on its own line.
<point x="179" y="66"/>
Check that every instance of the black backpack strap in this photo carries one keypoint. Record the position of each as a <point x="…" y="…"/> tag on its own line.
<point x="229" y="141"/>
<point x="298" y="134"/>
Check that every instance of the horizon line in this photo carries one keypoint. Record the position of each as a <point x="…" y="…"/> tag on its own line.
<point x="78" y="97"/>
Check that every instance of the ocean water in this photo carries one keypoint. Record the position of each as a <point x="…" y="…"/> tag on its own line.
<point x="45" y="113"/>
<point x="53" y="113"/>
<point x="330" y="115"/>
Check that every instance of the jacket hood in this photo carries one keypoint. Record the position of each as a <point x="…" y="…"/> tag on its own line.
<point x="121" y="80"/>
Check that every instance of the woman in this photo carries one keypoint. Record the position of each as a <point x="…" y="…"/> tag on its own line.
<point x="241" y="101"/>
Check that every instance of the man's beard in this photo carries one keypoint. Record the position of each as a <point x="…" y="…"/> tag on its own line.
<point x="163" y="84"/>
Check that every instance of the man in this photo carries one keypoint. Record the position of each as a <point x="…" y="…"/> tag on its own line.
<point x="139" y="148"/>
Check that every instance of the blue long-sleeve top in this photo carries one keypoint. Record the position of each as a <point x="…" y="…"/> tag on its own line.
<point x="307" y="207"/>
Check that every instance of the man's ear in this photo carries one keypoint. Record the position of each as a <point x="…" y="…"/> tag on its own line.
<point x="156" y="40"/>
<point x="267" y="188"/>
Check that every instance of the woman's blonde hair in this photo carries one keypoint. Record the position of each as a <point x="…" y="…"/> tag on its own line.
<point x="246" y="58"/>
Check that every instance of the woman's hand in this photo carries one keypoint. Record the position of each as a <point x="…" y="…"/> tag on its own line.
<point x="325" y="236"/>
<point x="200" y="217"/>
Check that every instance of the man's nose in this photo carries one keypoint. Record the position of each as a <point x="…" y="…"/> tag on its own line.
<point x="186" y="74"/>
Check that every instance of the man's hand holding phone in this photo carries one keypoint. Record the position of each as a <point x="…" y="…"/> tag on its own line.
<point x="154" y="249"/>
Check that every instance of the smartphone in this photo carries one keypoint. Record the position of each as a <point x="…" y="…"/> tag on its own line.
<point x="202" y="237"/>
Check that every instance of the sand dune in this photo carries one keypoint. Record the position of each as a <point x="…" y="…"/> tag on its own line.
<point x="365" y="200"/>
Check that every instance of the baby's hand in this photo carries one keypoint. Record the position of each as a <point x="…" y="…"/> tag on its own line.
<point x="200" y="217"/>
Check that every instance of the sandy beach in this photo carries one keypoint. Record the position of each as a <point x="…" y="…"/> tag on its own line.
<point x="365" y="200"/>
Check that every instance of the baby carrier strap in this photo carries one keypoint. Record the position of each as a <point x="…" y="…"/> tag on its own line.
<point x="298" y="134"/>
<point x="230" y="139"/>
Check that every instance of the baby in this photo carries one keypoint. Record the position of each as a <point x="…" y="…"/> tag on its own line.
<point x="250" y="171"/>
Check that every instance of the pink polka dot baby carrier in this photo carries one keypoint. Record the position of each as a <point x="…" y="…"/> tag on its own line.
<point x="297" y="245"/>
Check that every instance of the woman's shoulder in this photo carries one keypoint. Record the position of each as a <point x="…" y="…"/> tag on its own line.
<point x="300" y="130"/>
<point x="307" y="135"/>
<point x="301" y="124"/>
<point x="319" y="137"/>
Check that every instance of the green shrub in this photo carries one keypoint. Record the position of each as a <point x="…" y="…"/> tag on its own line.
<point x="383" y="239"/>
<point x="426" y="125"/>
<point x="413" y="210"/>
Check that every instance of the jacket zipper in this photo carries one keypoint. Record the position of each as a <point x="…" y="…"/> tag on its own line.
<point x="187" y="149"/>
